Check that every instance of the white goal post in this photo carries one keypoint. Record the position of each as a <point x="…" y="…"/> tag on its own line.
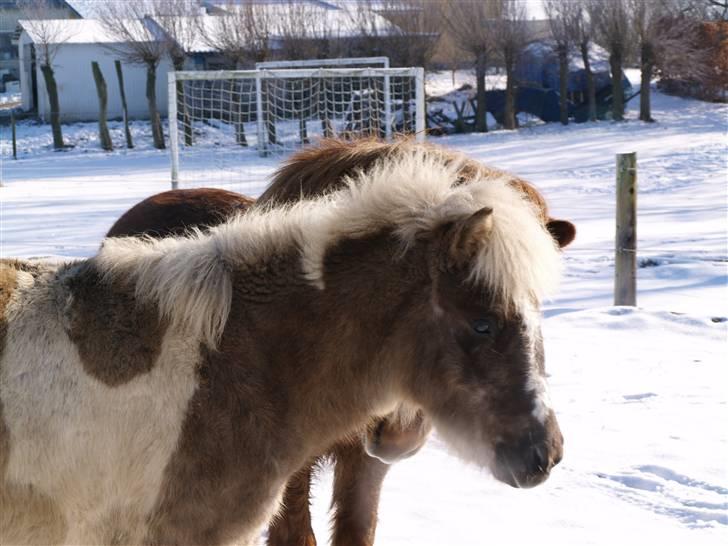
<point x="225" y="116"/>
<point x="342" y="62"/>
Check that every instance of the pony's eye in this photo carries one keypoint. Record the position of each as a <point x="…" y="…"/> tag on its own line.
<point x="484" y="326"/>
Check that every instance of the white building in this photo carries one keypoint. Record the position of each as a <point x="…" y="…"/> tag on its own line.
<point x="73" y="45"/>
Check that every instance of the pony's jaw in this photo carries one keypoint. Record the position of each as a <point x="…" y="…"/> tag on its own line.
<point x="390" y="439"/>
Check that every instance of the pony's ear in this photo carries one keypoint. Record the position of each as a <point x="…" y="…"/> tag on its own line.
<point x="469" y="234"/>
<point x="562" y="231"/>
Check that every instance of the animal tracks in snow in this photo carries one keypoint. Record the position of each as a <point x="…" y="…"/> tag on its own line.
<point x="663" y="491"/>
<point x="638" y="397"/>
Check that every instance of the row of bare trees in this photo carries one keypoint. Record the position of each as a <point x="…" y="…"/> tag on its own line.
<point x="491" y="32"/>
<point x="148" y="31"/>
<point x="656" y="32"/>
<point x="659" y="33"/>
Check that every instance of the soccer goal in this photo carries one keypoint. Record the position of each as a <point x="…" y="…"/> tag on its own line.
<point x="233" y="127"/>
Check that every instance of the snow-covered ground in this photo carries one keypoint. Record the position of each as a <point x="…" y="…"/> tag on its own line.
<point x="641" y="394"/>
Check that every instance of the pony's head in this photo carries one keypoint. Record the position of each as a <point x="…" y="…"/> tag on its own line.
<point x="485" y="357"/>
<point x="467" y="341"/>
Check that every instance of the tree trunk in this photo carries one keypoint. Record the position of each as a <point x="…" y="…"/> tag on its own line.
<point x="324" y="100"/>
<point x="590" y="88"/>
<point x="238" y="122"/>
<point x="125" y="111"/>
<point x="563" y="85"/>
<point x="271" y="128"/>
<point x="646" y="67"/>
<point x="236" y="111"/>
<point x="179" y="64"/>
<point x="407" y="121"/>
<point x="509" y="115"/>
<point x="157" y="132"/>
<point x="302" y="129"/>
<point x="615" y="62"/>
<point x="481" y="111"/>
<point x="52" y="89"/>
<point x="104" y="135"/>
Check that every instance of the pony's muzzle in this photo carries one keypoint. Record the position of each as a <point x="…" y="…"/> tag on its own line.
<point x="528" y="462"/>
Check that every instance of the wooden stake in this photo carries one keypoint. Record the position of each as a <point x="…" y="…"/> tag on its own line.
<point x="625" y="260"/>
<point x="12" y="125"/>
<point x="120" y="78"/>
<point x="104" y="136"/>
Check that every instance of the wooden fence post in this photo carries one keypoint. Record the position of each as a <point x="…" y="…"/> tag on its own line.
<point x="625" y="259"/>
<point x="104" y="136"/>
<point x="120" y="78"/>
<point x="15" y="143"/>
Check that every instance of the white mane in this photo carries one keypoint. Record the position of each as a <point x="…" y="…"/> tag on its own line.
<point x="190" y="277"/>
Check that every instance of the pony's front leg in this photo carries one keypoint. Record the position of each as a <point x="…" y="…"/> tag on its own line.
<point x="357" y="483"/>
<point x="292" y="525"/>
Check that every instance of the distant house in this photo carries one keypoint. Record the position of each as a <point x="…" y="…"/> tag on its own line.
<point x="10" y="14"/>
<point x="79" y="42"/>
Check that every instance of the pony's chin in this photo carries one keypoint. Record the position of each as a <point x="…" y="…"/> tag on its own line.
<point x="504" y="472"/>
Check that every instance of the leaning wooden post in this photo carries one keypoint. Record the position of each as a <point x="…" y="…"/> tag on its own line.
<point x="122" y="94"/>
<point x="625" y="261"/>
<point x="104" y="135"/>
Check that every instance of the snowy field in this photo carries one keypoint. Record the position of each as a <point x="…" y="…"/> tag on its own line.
<point x="641" y="394"/>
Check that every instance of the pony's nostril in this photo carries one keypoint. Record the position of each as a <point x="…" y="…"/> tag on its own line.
<point x="540" y="459"/>
<point x="558" y="457"/>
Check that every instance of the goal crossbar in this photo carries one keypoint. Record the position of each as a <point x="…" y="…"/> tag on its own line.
<point x="341" y="62"/>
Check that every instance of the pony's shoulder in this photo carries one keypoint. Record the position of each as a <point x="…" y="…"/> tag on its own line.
<point x="23" y="274"/>
<point x="32" y="266"/>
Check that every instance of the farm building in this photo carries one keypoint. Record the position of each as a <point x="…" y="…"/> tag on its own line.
<point x="74" y="45"/>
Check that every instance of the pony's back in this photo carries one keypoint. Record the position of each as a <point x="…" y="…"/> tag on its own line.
<point x="174" y="212"/>
<point x="323" y="168"/>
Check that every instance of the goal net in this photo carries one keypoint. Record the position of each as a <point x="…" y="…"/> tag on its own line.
<point x="231" y="128"/>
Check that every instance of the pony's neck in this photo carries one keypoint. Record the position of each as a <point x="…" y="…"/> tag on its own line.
<point x="325" y="351"/>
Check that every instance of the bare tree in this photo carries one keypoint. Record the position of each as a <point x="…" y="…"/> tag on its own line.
<point x="584" y="36"/>
<point x="406" y="31"/>
<point x="563" y="18"/>
<point x="136" y="42"/>
<point x="180" y="22"/>
<point x="179" y="19"/>
<point x="705" y="10"/>
<point x="305" y="30"/>
<point x="470" y="24"/>
<point x="665" y="40"/>
<point x="511" y="37"/>
<point x="241" y="33"/>
<point x="48" y="35"/>
<point x="614" y="31"/>
<point x="718" y="9"/>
